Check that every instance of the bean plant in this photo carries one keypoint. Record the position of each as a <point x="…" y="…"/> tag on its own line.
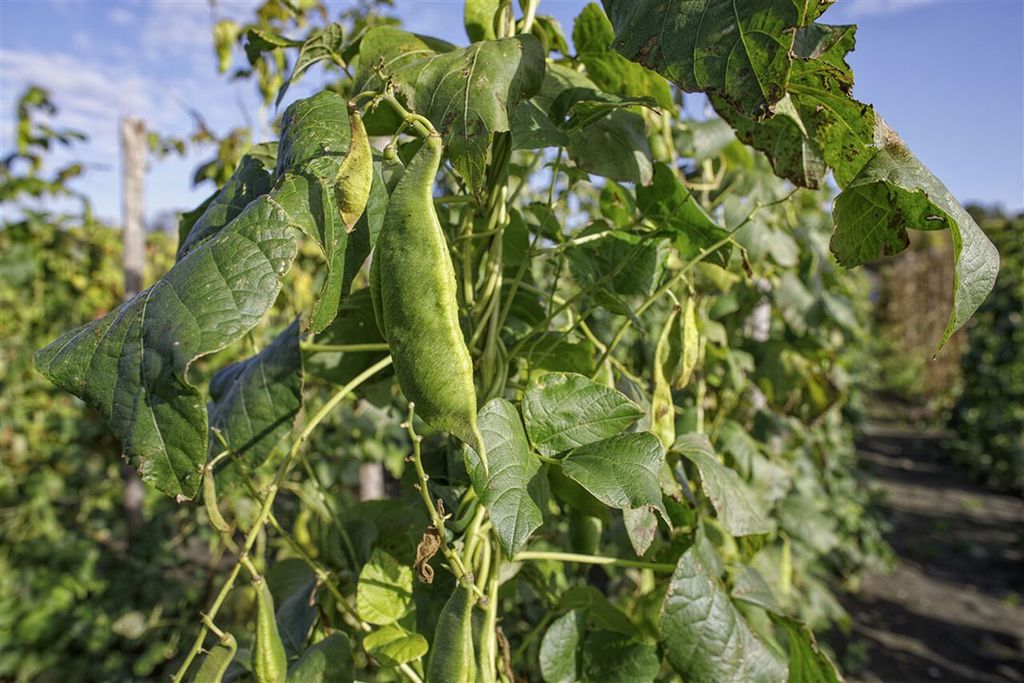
<point x="616" y="347"/>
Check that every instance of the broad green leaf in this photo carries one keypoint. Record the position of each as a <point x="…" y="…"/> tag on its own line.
<point x="739" y="50"/>
<point x="559" y="649"/>
<point x="608" y="657"/>
<point x="807" y="662"/>
<point x="750" y="587"/>
<point x="614" y="146"/>
<point x="617" y="263"/>
<point x="328" y="661"/>
<point x="563" y="411"/>
<point x="622" y="472"/>
<point x="468" y="93"/>
<point x="392" y="645"/>
<point x="592" y="35"/>
<point x="893" y="192"/>
<point x="258" y="41"/>
<point x="705" y="637"/>
<point x="731" y="497"/>
<point x="600" y="613"/>
<point x="670" y="206"/>
<point x="479" y="18"/>
<point x="553" y="352"/>
<point x="250" y="180"/>
<point x="325" y="43"/>
<point x="384" y="591"/>
<point x="514" y="490"/>
<point x="132" y="364"/>
<point x="255" y="401"/>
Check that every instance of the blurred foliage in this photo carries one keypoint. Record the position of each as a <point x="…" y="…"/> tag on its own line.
<point x="988" y="415"/>
<point x="77" y="594"/>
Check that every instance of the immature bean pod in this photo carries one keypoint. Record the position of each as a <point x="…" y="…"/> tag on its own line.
<point x="217" y="661"/>
<point x="269" y="661"/>
<point x="413" y="281"/>
<point x="452" y="658"/>
<point x="355" y="175"/>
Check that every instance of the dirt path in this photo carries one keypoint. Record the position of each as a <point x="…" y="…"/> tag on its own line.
<point x="952" y="610"/>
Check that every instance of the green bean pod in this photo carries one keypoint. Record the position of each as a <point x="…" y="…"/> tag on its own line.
<point x="452" y="658"/>
<point x="414" y="282"/>
<point x="269" y="661"/>
<point x="217" y="661"/>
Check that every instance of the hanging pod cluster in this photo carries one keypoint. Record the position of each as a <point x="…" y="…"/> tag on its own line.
<point x="412" y="282"/>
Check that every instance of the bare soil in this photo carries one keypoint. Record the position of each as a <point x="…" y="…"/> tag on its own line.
<point x="952" y="608"/>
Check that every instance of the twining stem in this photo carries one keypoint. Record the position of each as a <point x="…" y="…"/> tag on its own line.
<point x="421" y="123"/>
<point x="265" y="509"/>
<point x="528" y="555"/>
<point x="488" y="634"/>
<point x="436" y="519"/>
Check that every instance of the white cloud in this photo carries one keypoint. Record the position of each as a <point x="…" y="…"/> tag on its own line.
<point x="121" y="16"/>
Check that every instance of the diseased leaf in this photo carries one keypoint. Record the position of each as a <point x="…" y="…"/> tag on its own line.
<point x="732" y="499"/>
<point x="559" y="649"/>
<point x="255" y="401"/>
<point x="328" y="661"/>
<point x="817" y="124"/>
<point x="468" y="93"/>
<point x="704" y="635"/>
<point x="516" y="486"/>
<point x="132" y="364"/>
<point x="384" y="591"/>
<point x="393" y="645"/>
<point x="609" y="657"/>
<point x="739" y="50"/>
<point x="565" y="410"/>
<point x="893" y="192"/>
<point x="641" y="528"/>
<point x="622" y="472"/>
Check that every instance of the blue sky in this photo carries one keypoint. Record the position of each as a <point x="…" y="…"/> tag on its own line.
<point x="948" y="75"/>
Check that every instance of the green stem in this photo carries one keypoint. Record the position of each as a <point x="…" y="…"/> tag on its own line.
<point x="421" y="123"/>
<point x="341" y="348"/>
<point x="529" y="14"/>
<point x="455" y="562"/>
<point x="528" y="555"/>
<point x="265" y="509"/>
<point x="489" y="632"/>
